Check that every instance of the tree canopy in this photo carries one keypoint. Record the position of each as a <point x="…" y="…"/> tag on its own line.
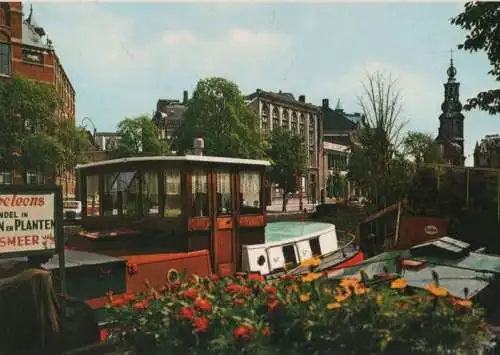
<point x="140" y="136"/>
<point x="217" y="112"/>
<point x="289" y="160"/>
<point x="422" y="147"/>
<point x="31" y="134"/>
<point x="375" y="165"/>
<point x="481" y="20"/>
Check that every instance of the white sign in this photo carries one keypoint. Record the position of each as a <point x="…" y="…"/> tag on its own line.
<point x="27" y="222"/>
<point x="431" y="230"/>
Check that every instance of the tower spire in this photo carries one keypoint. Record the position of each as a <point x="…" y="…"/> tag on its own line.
<point x="452" y="71"/>
<point x="339" y="106"/>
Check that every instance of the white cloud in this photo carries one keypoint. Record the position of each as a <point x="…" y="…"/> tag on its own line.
<point x="108" y="45"/>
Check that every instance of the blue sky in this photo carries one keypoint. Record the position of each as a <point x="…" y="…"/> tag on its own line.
<point x="122" y="58"/>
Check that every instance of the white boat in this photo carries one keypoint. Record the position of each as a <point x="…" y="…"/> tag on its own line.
<point x="288" y="244"/>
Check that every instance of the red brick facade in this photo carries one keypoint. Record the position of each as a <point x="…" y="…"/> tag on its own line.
<point x="26" y="50"/>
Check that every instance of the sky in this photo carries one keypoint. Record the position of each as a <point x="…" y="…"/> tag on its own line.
<point x="123" y="57"/>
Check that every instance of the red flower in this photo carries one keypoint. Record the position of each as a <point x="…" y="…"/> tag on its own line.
<point x="243" y="332"/>
<point x="256" y="277"/>
<point x="239" y="302"/>
<point x="265" y="331"/>
<point x="240" y="274"/>
<point x="234" y="288"/>
<point x="163" y="289"/>
<point x="270" y="289"/>
<point x="132" y="269"/>
<point x="287" y="277"/>
<point x="272" y="305"/>
<point x="191" y="293"/>
<point x="140" y="306"/>
<point x="118" y="302"/>
<point x="215" y="278"/>
<point x="129" y="297"/>
<point x="203" y="304"/>
<point x="200" y="324"/>
<point x="186" y="313"/>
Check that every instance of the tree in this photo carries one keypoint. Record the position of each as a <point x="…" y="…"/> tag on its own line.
<point x="375" y="166"/>
<point x="289" y="160"/>
<point x="139" y="136"/>
<point x="217" y="112"/>
<point x="481" y="21"/>
<point x="422" y="147"/>
<point x="75" y="143"/>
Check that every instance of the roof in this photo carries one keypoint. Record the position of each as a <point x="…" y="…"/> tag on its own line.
<point x="338" y="120"/>
<point x="32" y="33"/>
<point x="282" y="97"/>
<point x="335" y="147"/>
<point x="168" y="110"/>
<point x="473" y="271"/>
<point x="186" y="158"/>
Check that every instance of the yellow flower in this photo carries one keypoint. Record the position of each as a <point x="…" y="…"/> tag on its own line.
<point x="312" y="276"/>
<point x="310" y="262"/>
<point x="379" y="299"/>
<point x="462" y="303"/>
<point x="349" y="282"/>
<point x="399" y="284"/>
<point x="361" y="290"/>
<point x="334" y="305"/>
<point x="342" y="296"/>
<point x="305" y="297"/>
<point x="436" y="290"/>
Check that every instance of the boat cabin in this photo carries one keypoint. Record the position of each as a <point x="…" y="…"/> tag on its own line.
<point x="162" y="204"/>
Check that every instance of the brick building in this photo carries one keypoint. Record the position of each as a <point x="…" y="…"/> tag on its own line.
<point x="487" y="152"/>
<point x="26" y="50"/>
<point x="283" y="110"/>
<point x="169" y="115"/>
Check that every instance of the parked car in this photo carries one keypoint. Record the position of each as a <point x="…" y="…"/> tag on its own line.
<point x="72" y="210"/>
<point x="356" y="201"/>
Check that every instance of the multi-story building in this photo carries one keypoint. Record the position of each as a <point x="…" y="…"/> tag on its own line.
<point x="305" y="119"/>
<point x="106" y="141"/>
<point x="26" y="50"/>
<point x="487" y="152"/>
<point x="169" y="115"/>
<point x="451" y="122"/>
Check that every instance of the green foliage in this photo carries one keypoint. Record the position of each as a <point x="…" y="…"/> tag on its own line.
<point x="289" y="160"/>
<point x="245" y="314"/>
<point x="480" y="20"/>
<point x="31" y="135"/>
<point x="217" y="112"/>
<point x="139" y="136"/>
<point x="422" y="147"/>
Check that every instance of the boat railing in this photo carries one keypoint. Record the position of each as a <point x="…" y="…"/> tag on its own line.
<point x="350" y="244"/>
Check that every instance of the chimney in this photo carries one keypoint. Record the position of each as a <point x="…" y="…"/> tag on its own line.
<point x="199" y="145"/>
<point x="325" y="103"/>
<point x="302" y="98"/>
<point x="185" y="98"/>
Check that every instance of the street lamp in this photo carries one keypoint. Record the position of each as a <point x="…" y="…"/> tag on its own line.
<point x="84" y="125"/>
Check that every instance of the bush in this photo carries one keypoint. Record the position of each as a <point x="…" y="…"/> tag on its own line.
<point x="305" y="315"/>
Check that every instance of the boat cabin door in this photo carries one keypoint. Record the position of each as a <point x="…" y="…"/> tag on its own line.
<point x="223" y="222"/>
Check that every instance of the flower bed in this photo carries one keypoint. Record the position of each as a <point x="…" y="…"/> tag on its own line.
<point x="306" y="315"/>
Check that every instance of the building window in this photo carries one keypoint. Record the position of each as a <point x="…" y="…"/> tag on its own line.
<point x="150" y="194"/>
<point x="34" y="177"/>
<point x="276" y="118"/>
<point x="93" y="201"/>
<point x="5" y="59"/>
<point x="302" y="126"/>
<point x="199" y="191"/>
<point x="285" y="120"/>
<point x="250" y="192"/>
<point x="172" y="198"/>
<point x="265" y="118"/>
<point x="5" y="178"/>
<point x="224" y="194"/>
<point x="294" y="122"/>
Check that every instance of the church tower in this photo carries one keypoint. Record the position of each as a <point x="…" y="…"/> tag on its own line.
<point x="451" y="121"/>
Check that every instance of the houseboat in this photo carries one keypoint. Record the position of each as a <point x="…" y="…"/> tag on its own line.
<point x="144" y="216"/>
